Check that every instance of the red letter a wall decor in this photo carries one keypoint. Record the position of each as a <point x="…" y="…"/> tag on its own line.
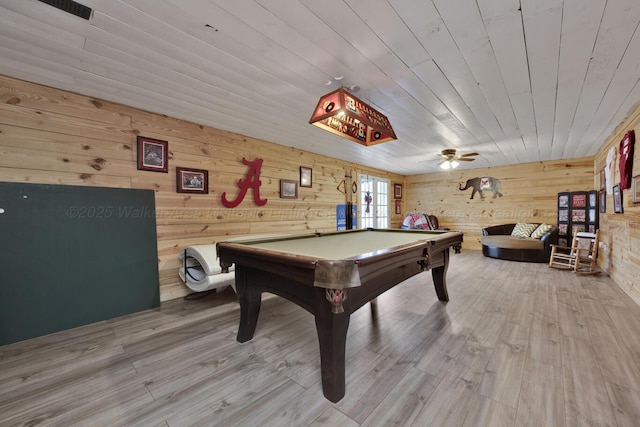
<point x="252" y="181"/>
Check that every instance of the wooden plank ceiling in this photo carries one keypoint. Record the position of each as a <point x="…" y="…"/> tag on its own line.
<point x="514" y="80"/>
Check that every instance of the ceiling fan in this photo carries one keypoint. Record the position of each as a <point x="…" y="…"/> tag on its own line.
<point x="450" y="159"/>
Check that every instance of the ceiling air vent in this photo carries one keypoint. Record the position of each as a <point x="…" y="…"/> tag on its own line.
<point x="71" y="7"/>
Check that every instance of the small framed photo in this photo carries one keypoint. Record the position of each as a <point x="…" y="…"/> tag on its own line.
<point x="306" y="177"/>
<point x="192" y="181"/>
<point x="603" y="201"/>
<point x="602" y="180"/>
<point x="397" y="191"/>
<point x="563" y="200"/>
<point x="152" y="154"/>
<point x="563" y="229"/>
<point x="635" y="187"/>
<point x="398" y="207"/>
<point x="563" y="214"/>
<point x="578" y="215"/>
<point x="578" y="200"/>
<point x="288" y="189"/>
<point x="617" y="199"/>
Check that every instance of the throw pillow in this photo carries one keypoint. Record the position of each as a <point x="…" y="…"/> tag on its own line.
<point x="410" y="220"/>
<point x="421" y="223"/>
<point x="541" y="231"/>
<point x="523" y="229"/>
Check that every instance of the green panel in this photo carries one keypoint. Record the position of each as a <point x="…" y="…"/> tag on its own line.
<point x="70" y="256"/>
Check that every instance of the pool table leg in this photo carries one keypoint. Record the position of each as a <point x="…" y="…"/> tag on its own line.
<point x="332" y="337"/>
<point x="439" y="275"/>
<point x="250" y="301"/>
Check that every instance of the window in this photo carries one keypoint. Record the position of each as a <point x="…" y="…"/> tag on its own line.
<point x="374" y="202"/>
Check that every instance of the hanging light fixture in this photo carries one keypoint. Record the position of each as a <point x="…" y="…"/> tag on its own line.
<point x="449" y="164"/>
<point x="343" y="114"/>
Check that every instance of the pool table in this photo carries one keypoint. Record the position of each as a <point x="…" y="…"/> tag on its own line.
<point x="331" y="275"/>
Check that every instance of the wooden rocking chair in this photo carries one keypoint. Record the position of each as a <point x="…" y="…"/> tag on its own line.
<point x="580" y="257"/>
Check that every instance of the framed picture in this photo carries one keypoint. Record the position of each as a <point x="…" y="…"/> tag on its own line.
<point x="602" y="180"/>
<point x="563" y="214"/>
<point x="563" y="229"/>
<point x="579" y="200"/>
<point x="603" y="201"/>
<point x="397" y="191"/>
<point x="578" y="228"/>
<point x="192" y="181"/>
<point x="578" y="215"/>
<point x="617" y="199"/>
<point x="398" y="207"/>
<point x="635" y="187"/>
<point x="306" y="177"/>
<point x="288" y="189"/>
<point x="152" y="154"/>
<point x="563" y="200"/>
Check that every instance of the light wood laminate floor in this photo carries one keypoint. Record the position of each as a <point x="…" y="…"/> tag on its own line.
<point x="517" y="345"/>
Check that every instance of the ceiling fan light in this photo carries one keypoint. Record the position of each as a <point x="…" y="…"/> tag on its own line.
<point x="449" y="164"/>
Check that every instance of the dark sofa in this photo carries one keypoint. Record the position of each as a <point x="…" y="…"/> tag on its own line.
<point x="497" y="242"/>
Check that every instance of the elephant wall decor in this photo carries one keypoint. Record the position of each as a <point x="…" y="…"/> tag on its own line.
<point x="480" y="184"/>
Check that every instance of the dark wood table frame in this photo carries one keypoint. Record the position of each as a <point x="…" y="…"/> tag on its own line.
<point x="295" y="278"/>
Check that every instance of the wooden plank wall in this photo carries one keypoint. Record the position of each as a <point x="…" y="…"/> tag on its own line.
<point x="529" y="195"/>
<point x="57" y="137"/>
<point x="620" y="232"/>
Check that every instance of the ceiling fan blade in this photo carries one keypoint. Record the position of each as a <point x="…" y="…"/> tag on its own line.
<point x="468" y="154"/>
<point x="463" y="159"/>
